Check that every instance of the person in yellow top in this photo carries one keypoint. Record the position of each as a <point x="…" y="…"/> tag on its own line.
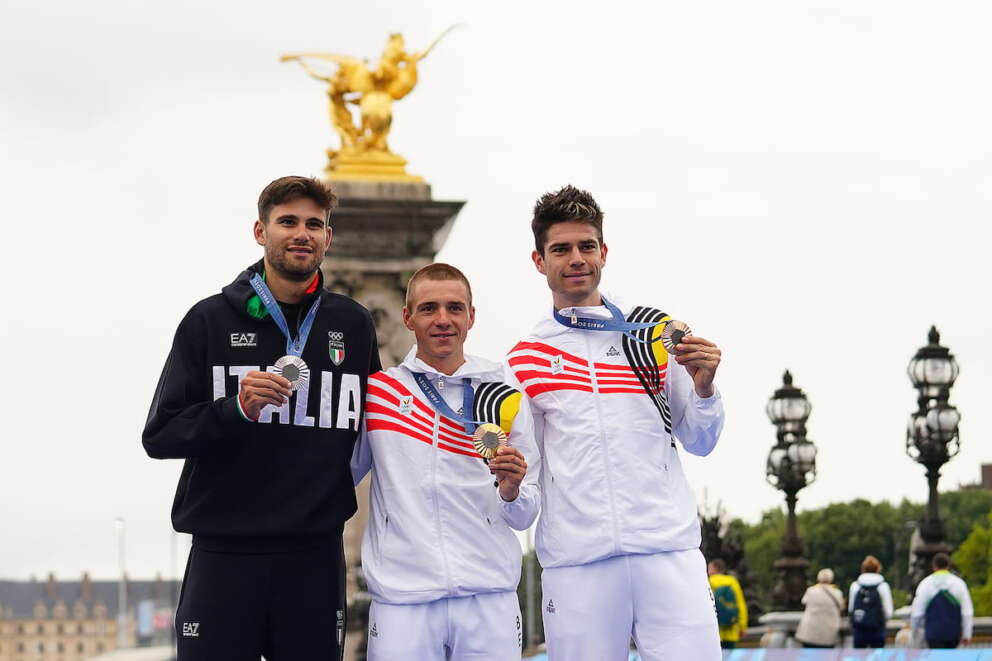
<point x="731" y="609"/>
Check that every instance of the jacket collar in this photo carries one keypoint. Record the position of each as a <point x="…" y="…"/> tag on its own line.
<point x="474" y="367"/>
<point x="548" y="326"/>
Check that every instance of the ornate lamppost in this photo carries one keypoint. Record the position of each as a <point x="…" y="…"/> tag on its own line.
<point x="931" y="440"/>
<point x="791" y="466"/>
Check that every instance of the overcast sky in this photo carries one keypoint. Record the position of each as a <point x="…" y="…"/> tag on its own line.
<point x="806" y="183"/>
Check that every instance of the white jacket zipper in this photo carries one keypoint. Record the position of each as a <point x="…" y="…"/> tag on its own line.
<point x="603" y="443"/>
<point x="434" y="491"/>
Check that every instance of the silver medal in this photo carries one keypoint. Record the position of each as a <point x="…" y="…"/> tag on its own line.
<point x="673" y="333"/>
<point x="294" y="370"/>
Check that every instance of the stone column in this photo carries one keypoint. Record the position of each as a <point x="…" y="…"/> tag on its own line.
<point x="383" y="232"/>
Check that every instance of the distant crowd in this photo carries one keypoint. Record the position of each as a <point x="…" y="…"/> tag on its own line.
<point x="942" y="614"/>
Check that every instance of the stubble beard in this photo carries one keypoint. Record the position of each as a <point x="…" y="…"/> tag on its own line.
<point x="575" y="296"/>
<point x="298" y="272"/>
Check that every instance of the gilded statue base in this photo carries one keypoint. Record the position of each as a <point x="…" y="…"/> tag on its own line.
<point x="370" y="165"/>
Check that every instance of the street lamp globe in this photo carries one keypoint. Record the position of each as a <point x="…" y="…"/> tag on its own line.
<point x="942" y="424"/>
<point x="933" y="368"/>
<point x="788" y="409"/>
<point x="918" y="439"/>
<point x="802" y="455"/>
<point x="774" y="468"/>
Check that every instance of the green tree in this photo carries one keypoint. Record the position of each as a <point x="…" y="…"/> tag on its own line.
<point x="974" y="560"/>
<point x="531" y="558"/>
<point x="962" y="509"/>
<point x="761" y="546"/>
<point x="840" y="535"/>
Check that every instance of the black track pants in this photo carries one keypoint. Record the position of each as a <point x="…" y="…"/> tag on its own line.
<point x="284" y="606"/>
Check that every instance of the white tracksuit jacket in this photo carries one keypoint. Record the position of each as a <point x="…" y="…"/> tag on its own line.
<point x="437" y="526"/>
<point x="928" y="588"/>
<point x="611" y="479"/>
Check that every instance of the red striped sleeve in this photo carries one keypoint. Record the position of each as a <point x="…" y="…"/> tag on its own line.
<point x="543" y="362"/>
<point x="550" y="351"/>
<point x="378" y="424"/>
<point x="538" y="388"/>
<point x="529" y="375"/>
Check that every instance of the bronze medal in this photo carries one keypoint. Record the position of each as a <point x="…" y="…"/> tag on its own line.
<point x="489" y="438"/>
<point x="673" y="333"/>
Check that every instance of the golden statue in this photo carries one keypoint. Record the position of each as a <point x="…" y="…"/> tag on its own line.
<point x="364" y="152"/>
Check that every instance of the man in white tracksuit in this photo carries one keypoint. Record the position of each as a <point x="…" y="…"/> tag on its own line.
<point x="618" y="535"/>
<point x="942" y="584"/>
<point x="440" y="558"/>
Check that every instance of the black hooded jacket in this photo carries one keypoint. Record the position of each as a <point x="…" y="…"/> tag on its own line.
<point x="285" y="479"/>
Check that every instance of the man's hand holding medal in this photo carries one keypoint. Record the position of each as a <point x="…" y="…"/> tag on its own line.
<point x="699" y="356"/>
<point x="509" y="467"/>
<point x="259" y="389"/>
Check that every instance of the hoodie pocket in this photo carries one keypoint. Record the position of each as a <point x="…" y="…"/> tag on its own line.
<point x="383" y="540"/>
<point x="493" y="524"/>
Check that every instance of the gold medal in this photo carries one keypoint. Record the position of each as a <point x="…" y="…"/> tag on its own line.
<point x="673" y="333"/>
<point x="489" y="438"/>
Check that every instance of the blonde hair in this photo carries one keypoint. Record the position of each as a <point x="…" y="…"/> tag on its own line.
<point x="436" y="271"/>
<point x="825" y="575"/>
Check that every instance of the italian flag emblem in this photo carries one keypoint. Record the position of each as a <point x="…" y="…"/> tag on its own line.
<point x="335" y="346"/>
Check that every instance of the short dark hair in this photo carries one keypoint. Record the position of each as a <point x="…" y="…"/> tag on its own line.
<point x="941" y="561"/>
<point x="437" y="271"/>
<point x="719" y="565"/>
<point x="568" y="203"/>
<point x="287" y="189"/>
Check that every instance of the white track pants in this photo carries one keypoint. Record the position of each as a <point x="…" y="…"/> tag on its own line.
<point x="484" y="627"/>
<point x="663" y="600"/>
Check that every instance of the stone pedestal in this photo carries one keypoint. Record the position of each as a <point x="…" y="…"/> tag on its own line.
<point x="383" y="232"/>
<point x="921" y="553"/>
<point x="781" y="629"/>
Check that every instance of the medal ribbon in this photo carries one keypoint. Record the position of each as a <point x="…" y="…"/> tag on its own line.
<point x="293" y="347"/>
<point x="435" y="398"/>
<point x="616" y="324"/>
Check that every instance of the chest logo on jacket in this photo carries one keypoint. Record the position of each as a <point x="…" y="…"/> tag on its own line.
<point x="244" y="340"/>
<point x="406" y="405"/>
<point x="557" y="364"/>
<point x="296" y="411"/>
<point x="335" y="346"/>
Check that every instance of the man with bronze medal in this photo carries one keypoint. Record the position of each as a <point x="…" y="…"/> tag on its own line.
<point x="614" y="389"/>
<point x="266" y="416"/>
<point x="454" y="469"/>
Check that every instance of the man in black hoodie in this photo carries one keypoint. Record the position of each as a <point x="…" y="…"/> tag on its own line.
<point x="262" y="396"/>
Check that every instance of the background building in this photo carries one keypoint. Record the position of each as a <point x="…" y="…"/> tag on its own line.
<point x="76" y="620"/>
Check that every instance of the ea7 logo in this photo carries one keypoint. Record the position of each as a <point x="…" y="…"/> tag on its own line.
<point x="191" y="629"/>
<point x="244" y="340"/>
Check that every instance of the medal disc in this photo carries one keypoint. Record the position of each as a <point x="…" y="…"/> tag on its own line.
<point x="294" y="370"/>
<point x="673" y="333"/>
<point x="489" y="438"/>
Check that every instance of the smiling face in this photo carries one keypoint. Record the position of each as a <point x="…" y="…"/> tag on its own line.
<point x="295" y="237"/>
<point x="572" y="261"/>
<point x="440" y="314"/>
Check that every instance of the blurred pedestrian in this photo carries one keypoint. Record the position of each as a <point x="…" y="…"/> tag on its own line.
<point x="820" y="622"/>
<point x="869" y="605"/>
<point x="731" y="608"/>
<point x="942" y="608"/>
